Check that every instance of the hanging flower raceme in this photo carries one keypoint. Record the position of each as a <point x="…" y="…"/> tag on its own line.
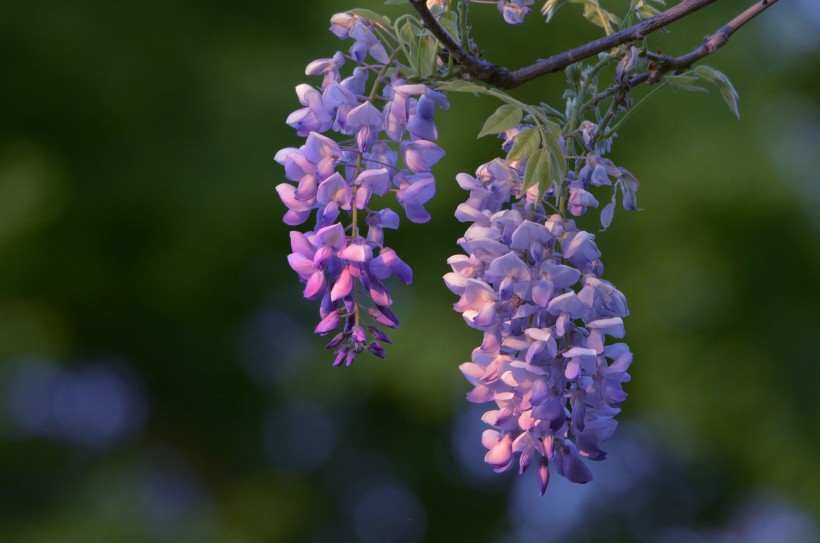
<point x="385" y="143"/>
<point x="531" y="282"/>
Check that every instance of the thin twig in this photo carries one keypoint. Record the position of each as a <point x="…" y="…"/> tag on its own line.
<point x="710" y="45"/>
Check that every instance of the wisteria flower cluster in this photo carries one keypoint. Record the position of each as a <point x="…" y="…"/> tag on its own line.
<point x="385" y="144"/>
<point x="530" y="279"/>
<point x="532" y="283"/>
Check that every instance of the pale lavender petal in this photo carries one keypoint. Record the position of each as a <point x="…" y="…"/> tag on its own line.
<point x="583" y="243"/>
<point x="378" y="52"/>
<point x="365" y="114"/>
<point x="489" y="438"/>
<point x="357" y="251"/>
<point x="573" y="370"/>
<point x="412" y="89"/>
<point x="599" y="176"/>
<point x="612" y="327"/>
<point x="566" y="303"/>
<point x="287" y="193"/>
<point x="343" y="285"/>
<point x="421" y="155"/>
<point x="336" y="95"/>
<point x="296" y="164"/>
<point x="341" y="24"/>
<point x="378" y="181"/>
<point x="472" y="371"/>
<point x="335" y="189"/>
<point x="294" y="218"/>
<point x="301" y="264"/>
<point x="356" y="83"/>
<point x="500" y="456"/>
<point x="300" y="244"/>
<point x="330" y="322"/>
<point x="541" y="292"/>
<point x="561" y="276"/>
<point x="362" y="197"/>
<point x="331" y="236"/>
<point x="379" y="294"/>
<point x="629" y="186"/>
<point x="575" y="470"/>
<point x="607" y="213"/>
<point x="467" y="213"/>
<point x="476" y="294"/>
<point x="389" y="259"/>
<point x="312" y="98"/>
<point x="315" y="286"/>
<point x="416" y="190"/>
<point x="484" y="317"/>
<point x="510" y="266"/>
<point x="323" y="65"/>
<point x="579" y="351"/>
<point x="415" y="212"/>
<point x="528" y="233"/>
<point x="388" y="218"/>
<point x="306" y="191"/>
<point x="613" y="392"/>
<point x="480" y="394"/>
<point x="467" y="182"/>
<point x="579" y="200"/>
<point x="318" y="147"/>
<point x="455" y="282"/>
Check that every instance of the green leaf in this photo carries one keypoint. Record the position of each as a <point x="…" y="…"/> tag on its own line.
<point x="370" y="16"/>
<point x="526" y="143"/>
<point x="505" y="117"/>
<point x="557" y="159"/>
<point x="719" y="79"/>
<point x="573" y="73"/>
<point x="428" y="47"/>
<point x="555" y="177"/>
<point x="450" y="23"/>
<point x="551" y="141"/>
<point x="647" y="12"/>
<point x="461" y="86"/>
<point x="594" y="13"/>
<point x="684" y="83"/>
<point x="683" y="79"/>
<point x="551" y="7"/>
<point x="408" y="36"/>
<point x="538" y="169"/>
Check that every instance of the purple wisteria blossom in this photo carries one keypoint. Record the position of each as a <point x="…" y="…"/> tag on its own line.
<point x="514" y="11"/>
<point x="385" y="144"/>
<point x="531" y="282"/>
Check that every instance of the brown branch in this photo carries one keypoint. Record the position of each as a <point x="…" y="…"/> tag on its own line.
<point x="503" y="77"/>
<point x="480" y="69"/>
<point x="710" y="45"/>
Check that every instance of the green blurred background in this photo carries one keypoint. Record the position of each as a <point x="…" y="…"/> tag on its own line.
<point x="158" y="376"/>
